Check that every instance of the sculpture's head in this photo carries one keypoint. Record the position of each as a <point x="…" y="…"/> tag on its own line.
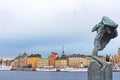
<point x="106" y="21"/>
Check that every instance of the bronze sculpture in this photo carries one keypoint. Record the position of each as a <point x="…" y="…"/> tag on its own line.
<point x="106" y="30"/>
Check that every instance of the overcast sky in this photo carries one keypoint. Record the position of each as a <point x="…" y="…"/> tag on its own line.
<point x="42" y="26"/>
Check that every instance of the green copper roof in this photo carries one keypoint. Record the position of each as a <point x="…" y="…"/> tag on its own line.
<point x="45" y="58"/>
<point x="118" y="49"/>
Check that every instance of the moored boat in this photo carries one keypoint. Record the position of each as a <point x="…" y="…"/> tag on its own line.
<point x="80" y="69"/>
<point x="5" y="68"/>
<point x="77" y="69"/>
<point x="47" y="68"/>
<point x="116" y="67"/>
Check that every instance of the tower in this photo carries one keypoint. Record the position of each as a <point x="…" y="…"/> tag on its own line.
<point x="63" y="49"/>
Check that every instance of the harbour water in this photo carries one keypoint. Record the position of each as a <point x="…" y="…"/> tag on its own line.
<point x="33" y="75"/>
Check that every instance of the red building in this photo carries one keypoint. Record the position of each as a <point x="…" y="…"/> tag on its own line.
<point x="8" y="63"/>
<point x="53" y="56"/>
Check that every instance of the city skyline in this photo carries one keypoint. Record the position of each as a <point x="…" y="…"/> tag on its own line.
<point x="37" y="26"/>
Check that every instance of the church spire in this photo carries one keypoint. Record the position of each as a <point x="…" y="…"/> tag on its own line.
<point x="63" y="49"/>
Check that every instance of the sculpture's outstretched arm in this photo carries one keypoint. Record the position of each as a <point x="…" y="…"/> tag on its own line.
<point x="96" y="27"/>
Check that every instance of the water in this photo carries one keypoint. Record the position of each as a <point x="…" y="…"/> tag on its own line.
<point x="20" y="75"/>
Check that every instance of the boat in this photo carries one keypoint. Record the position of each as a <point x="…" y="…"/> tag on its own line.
<point x="75" y="69"/>
<point x="116" y="67"/>
<point x="46" y="69"/>
<point x="63" y="70"/>
<point x="80" y="69"/>
<point x="5" y="68"/>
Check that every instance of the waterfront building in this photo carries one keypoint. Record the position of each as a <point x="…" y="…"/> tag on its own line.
<point x="5" y="62"/>
<point x="15" y="63"/>
<point x="116" y="58"/>
<point x="61" y="63"/>
<point x="23" y="60"/>
<point x="42" y="62"/>
<point x="32" y="60"/>
<point x="53" y="56"/>
<point x="89" y="59"/>
<point x="8" y="62"/>
<point x="0" y="61"/>
<point x="76" y="60"/>
<point x="20" y="61"/>
<point x="57" y="63"/>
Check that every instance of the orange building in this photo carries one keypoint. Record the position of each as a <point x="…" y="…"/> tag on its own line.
<point x="53" y="56"/>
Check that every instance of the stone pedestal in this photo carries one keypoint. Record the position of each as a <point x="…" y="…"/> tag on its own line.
<point x="95" y="72"/>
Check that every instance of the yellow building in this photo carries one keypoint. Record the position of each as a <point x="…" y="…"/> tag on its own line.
<point x="42" y="62"/>
<point x="57" y="63"/>
<point x="61" y="63"/>
<point x="116" y="58"/>
<point x="32" y="62"/>
<point x="89" y="59"/>
<point x="78" y="61"/>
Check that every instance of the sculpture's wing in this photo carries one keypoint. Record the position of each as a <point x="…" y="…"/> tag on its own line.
<point x="108" y="22"/>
